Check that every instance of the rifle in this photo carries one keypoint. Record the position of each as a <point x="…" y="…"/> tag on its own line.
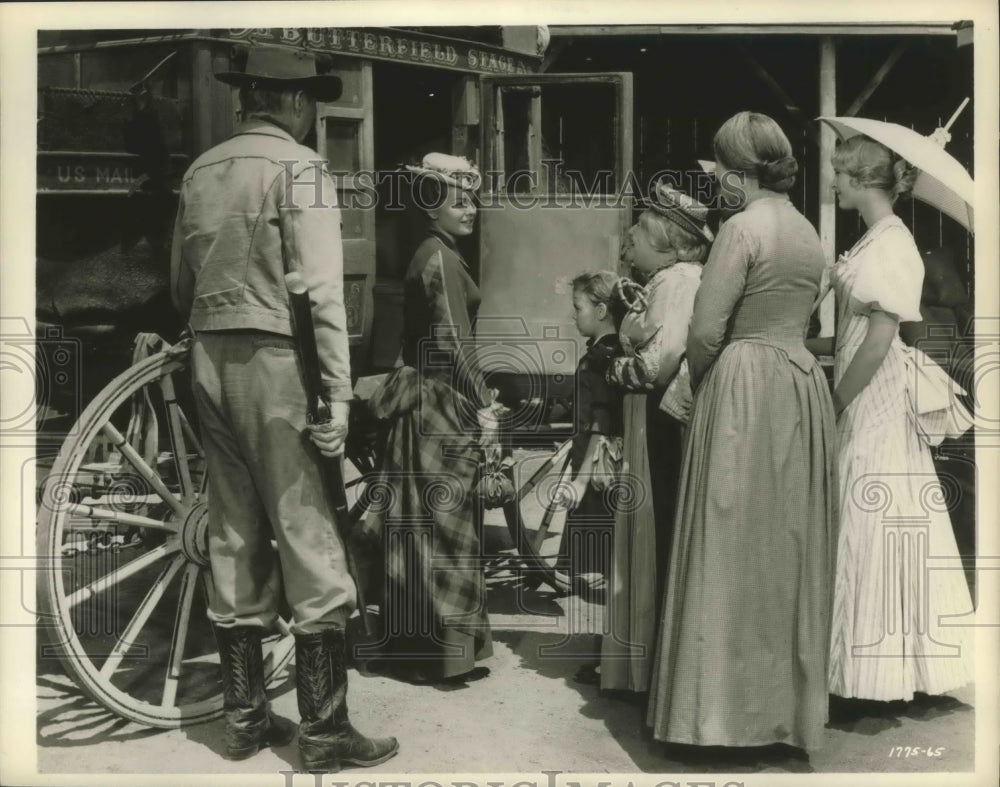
<point x="318" y="412"/>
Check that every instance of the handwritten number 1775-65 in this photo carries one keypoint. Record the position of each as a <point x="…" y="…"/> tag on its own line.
<point x="916" y="751"/>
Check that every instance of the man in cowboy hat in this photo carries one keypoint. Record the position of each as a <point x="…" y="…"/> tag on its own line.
<point x="251" y="209"/>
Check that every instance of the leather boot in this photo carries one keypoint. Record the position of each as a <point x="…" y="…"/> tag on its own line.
<point x="249" y="725"/>
<point x="326" y="738"/>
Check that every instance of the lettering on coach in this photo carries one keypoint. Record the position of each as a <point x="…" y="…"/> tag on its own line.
<point x="395" y="45"/>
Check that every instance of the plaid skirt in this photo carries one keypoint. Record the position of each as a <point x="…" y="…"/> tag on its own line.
<point x="431" y="526"/>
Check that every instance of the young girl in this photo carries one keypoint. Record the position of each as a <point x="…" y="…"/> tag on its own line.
<point x="890" y="633"/>
<point x="596" y="313"/>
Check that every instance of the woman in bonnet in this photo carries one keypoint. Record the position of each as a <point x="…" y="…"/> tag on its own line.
<point x="886" y="646"/>
<point x="745" y="631"/>
<point x="664" y="249"/>
<point x="436" y="626"/>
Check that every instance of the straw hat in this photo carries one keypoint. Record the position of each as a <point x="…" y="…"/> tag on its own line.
<point x="453" y="170"/>
<point x="284" y="68"/>
<point x="684" y="211"/>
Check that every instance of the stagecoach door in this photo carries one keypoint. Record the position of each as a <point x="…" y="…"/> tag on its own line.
<point x="344" y="137"/>
<point x="556" y="200"/>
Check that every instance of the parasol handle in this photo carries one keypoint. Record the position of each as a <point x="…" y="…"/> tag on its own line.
<point x="941" y="135"/>
<point x="957" y="113"/>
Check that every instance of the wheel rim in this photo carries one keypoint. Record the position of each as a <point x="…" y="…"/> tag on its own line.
<point x="125" y="542"/>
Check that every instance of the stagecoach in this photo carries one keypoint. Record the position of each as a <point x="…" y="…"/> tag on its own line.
<point x="122" y="511"/>
<point x="121" y="481"/>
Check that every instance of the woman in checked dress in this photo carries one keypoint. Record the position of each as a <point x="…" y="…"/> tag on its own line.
<point x="435" y="594"/>
<point x="891" y="636"/>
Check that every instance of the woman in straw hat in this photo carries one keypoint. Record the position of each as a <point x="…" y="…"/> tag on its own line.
<point x="665" y="249"/>
<point x="435" y="602"/>
<point x="886" y="647"/>
<point x="745" y="632"/>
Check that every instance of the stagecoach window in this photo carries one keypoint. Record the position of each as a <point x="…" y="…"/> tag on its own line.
<point x="558" y="138"/>
<point x="351" y="76"/>
<point x="343" y="144"/>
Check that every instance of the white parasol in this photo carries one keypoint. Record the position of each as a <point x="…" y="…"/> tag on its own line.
<point x="943" y="182"/>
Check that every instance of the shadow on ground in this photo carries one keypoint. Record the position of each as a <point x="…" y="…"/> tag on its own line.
<point x="559" y="656"/>
<point x="74" y="719"/>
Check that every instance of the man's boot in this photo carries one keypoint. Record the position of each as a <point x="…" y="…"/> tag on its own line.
<point x="249" y="725"/>
<point x="326" y="738"/>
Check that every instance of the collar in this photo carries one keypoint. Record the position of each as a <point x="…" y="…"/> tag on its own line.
<point x="607" y="339"/>
<point x="649" y="278"/>
<point x="449" y="244"/>
<point x="445" y="239"/>
<point x="767" y="196"/>
<point x="266" y="128"/>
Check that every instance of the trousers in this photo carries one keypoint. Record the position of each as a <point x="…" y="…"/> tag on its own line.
<point x="265" y="483"/>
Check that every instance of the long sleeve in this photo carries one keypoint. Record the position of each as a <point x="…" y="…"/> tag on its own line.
<point x="311" y="244"/>
<point x="670" y="303"/>
<point x="600" y="401"/>
<point x="181" y="275"/>
<point x="722" y="284"/>
<point x="451" y="325"/>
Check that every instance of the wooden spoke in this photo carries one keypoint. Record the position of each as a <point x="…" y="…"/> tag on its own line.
<point x="177" y="442"/>
<point x="282" y="649"/>
<point x="120" y="517"/>
<point x="144" y="470"/>
<point x="151" y="581"/>
<point x="560" y="455"/>
<point x="141" y="617"/>
<point x="533" y="543"/>
<point x="189" y="434"/>
<point x="182" y="623"/>
<point x="122" y="573"/>
<point x="550" y="511"/>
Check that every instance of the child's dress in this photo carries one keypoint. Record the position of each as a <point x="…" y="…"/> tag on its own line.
<point x="902" y="607"/>
<point x="589" y="526"/>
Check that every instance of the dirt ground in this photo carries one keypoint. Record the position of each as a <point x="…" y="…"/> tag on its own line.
<point x="529" y="715"/>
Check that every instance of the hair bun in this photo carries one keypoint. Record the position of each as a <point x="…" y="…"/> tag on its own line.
<point x="905" y="175"/>
<point x="778" y="175"/>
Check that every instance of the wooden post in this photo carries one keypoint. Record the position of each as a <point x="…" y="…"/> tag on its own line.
<point x="201" y="96"/>
<point x="465" y="118"/>
<point x="827" y="138"/>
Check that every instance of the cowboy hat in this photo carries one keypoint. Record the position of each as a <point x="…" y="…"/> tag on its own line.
<point x="684" y="211"/>
<point x="284" y="68"/>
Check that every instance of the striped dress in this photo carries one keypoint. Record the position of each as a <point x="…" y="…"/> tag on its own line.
<point x="899" y="583"/>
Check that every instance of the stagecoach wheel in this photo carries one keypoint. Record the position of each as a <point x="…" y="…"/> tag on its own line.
<point x="533" y="519"/>
<point x="122" y="530"/>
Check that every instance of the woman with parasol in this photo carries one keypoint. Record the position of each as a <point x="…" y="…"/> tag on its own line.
<point x="887" y="639"/>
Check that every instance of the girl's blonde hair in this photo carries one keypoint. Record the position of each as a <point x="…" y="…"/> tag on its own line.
<point x="874" y="166"/>
<point x="600" y="288"/>
<point x="666" y="235"/>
